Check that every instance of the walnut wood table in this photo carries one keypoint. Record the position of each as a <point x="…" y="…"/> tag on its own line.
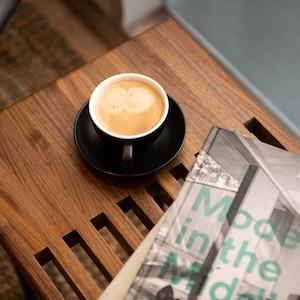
<point x="52" y="201"/>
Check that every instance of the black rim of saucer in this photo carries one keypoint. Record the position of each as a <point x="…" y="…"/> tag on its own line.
<point x="105" y="156"/>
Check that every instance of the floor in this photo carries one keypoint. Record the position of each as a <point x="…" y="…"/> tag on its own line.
<point x="71" y="27"/>
<point x="86" y="41"/>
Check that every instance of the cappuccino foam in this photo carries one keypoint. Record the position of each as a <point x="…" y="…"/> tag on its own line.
<point x="129" y="107"/>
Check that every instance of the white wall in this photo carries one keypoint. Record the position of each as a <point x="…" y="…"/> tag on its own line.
<point x="134" y="10"/>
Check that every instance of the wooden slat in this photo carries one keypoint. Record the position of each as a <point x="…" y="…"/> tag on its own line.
<point x="107" y="261"/>
<point x="17" y="247"/>
<point x="74" y="272"/>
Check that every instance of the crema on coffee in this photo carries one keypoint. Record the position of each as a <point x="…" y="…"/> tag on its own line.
<point x="129" y="107"/>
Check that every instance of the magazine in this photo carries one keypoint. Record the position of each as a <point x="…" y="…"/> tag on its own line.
<point x="233" y="232"/>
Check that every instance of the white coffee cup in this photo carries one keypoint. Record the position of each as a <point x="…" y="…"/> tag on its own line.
<point x="129" y="108"/>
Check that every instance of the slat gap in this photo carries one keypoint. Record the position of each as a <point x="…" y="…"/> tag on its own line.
<point x="130" y="208"/>
<point x="264" y="135"/>
<point x="47" y="262"/>
<point x="160" y="196"/>
<point x="111" y="235"/>
<point x="179" y="172"/>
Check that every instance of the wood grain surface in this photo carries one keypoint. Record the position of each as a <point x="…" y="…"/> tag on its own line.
<point x="50" y="200"/>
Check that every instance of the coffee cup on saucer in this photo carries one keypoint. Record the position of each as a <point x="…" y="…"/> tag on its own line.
<point x="131" y="109"/>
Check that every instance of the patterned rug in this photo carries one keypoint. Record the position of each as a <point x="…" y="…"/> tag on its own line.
<point x="10" y="287"/>
<point x="32" y="55"/>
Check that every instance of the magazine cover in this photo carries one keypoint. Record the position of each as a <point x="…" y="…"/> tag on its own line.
<point x="234" y="230"/>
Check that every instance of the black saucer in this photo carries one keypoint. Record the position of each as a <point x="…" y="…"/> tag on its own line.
<point x="105" y="156"/>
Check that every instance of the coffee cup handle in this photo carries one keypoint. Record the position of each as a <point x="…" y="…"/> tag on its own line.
<point x="127" y="157"/>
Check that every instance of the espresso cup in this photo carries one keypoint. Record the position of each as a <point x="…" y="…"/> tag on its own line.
<point x="129" y="108"/>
